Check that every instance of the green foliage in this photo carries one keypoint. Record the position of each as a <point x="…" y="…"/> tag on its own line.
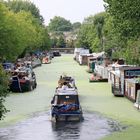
<point x="76" y="25"/>
<point x="24" y="5"/>
<point x="61" y="42"/>
<point x="20" y="31"/>
<point x="116" y="31"/>
<point x="3" y="91"/>
<point x="132" y="52"/>
<point x="9" y="33"/>
<point x="99" y="23"/>
<point x="46" y="43"/>
<point x="122" y="29"/>
<point x="91" y="32"/>
<point x="126" y="14"/>
<point x="62" y="32"/>
<point x="41" y="36"/>
<point x="112" y="40"/>
<point x="16" y="32"/>
<point x="59" y="24"/>
<point x="53" y="42"/>
<point x="86" y="35"/>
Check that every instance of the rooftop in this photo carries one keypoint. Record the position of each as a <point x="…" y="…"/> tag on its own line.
<point x="69" y="91"/>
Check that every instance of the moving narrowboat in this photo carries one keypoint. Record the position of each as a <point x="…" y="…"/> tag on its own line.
<point x="65" y="105"/>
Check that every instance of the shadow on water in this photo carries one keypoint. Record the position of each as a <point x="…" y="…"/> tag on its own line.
<point x="39" y="127"/>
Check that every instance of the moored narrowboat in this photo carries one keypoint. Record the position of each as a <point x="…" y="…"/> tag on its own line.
<point x="131" y="88"/>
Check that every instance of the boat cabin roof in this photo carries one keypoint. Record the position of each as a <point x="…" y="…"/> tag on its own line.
<point x="69" y="91"/>
<point x="129" y="68"/>
<point x="133" y="80"/>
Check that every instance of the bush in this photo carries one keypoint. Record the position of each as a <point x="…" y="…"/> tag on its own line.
<point x="3" y="91"/>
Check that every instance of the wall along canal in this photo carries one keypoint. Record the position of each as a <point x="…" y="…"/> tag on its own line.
<point x="21" y="123"/>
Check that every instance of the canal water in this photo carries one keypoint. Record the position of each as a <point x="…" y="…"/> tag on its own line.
<point x="39" y="127"/>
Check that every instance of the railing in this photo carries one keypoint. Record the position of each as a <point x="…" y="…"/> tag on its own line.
<point x="64" y="50"/>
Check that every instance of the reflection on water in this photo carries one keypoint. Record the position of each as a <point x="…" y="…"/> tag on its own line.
<point x="67" y="131"/>
<point x="40" y="127"/>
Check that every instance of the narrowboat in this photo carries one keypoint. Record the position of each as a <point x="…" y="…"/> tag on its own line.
<point x="131" y="88"/>
<point x="65" y="106"/>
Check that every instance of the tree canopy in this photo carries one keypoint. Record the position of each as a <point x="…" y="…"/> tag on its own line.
<point x="59" y="24"/>
<point x="20" y="30"/>
<point x="24" y="5"/>
<point x="125" y="28"/>
<point x="76" y="25"/>
<point x="126" y="16"/>
<point x="116" y="31"/>
<point x="91" y="32"/>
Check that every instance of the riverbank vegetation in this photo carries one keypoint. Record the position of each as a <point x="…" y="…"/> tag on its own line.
<point x="3" y="91"/>
<point x="116" y="31"/>
<point x="21" y="30"/>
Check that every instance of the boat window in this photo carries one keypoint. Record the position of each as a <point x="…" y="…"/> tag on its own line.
<point x="69" y="99"/>
<point x="55" y="100"/>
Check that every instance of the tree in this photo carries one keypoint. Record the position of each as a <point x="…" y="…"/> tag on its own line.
<point x="25" y="5"/>
<point x="3" y="91"/>
<point x="61" y="42"/>
<point x="99" y="23"/>
<point x="91" y="32"/>
<point x="53" y="42"/>
<point x="19" y="32"/>
<point x="132" y="52"/>
<point x="9" y="37"/>
<point x="112" y="41"/>
<point x="59" y="24"/>
<point x="125" y="17"/>
<point x="85" y="35"/>
<point x="76" y="25"/>
<point x="122" y="29"/>
<point x="46" y="43"/>
<point x="70" y="43"/>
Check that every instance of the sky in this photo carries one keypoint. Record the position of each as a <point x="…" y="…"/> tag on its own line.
<point x="73" y="10"/>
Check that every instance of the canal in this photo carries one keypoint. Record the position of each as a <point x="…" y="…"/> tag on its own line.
<point x="29" y="116"/>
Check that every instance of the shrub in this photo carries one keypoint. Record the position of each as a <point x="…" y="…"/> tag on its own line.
<point x="3" y="91"/>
